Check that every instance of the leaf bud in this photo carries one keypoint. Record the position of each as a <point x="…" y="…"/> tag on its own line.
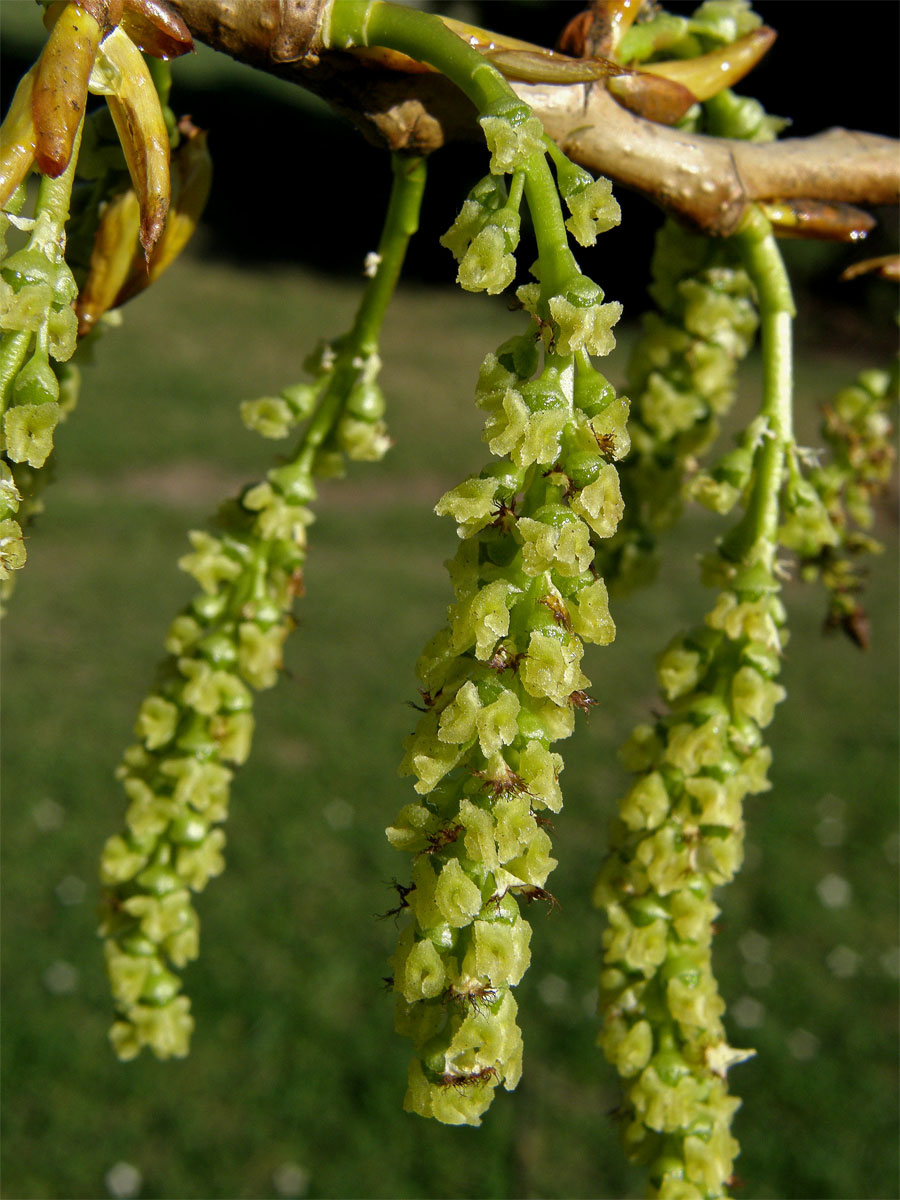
<point x="366" y="401"/>
<point x="160" y="986"/>
<point x="158" y="880"/>
<point x="592" y="392"/>
<point x="36" y="384"/>
<point x="519" y="355"/>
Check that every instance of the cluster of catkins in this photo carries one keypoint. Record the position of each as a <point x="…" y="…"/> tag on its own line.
<point x="196" y="725"/>
<point x="830" y="505"/>
<point x="37" y="383"/>
<point x="679" y="835"/>
<point x="679" y="830"/>
<point x="502" y="681"/>
<point x="682" y="379"/>
<point x="682" y="376"/>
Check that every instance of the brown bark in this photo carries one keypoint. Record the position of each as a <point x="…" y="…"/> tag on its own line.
<point x="706" y="182"/>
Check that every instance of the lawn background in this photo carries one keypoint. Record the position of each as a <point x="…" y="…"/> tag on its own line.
<point x="294" y="1060"/>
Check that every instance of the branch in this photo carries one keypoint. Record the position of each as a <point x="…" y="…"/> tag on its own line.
<point x="705" y="182"/>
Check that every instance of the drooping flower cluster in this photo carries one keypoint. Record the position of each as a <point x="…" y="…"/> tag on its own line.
<point x="73" y="270"/>
<point x="679" y="832"/>
<point x="38" y="338"/>
<point x="500" y="684"/>
<point x="683" y="370"/>
<point x="194" y="728"/>
<point x="196" y="725"/>
<point x="43" y="130"/>
<point x="678" y="836"/>
<point x="682" y="379"/>
<point x="829" y="510"/>
<point x="359" y="434"/>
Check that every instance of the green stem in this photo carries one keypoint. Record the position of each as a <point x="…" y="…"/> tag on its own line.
<point x="13" y="352"/>
<point x="426" y="38"/>
<point x="423" y="37"/>
<point x="558" y="264"/>
<point x="400" y="223"/>
<point x="757" y="531"/>
<point x="51" y="210"/>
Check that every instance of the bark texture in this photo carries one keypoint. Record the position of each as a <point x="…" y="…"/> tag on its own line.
<point x="705" y="182"/>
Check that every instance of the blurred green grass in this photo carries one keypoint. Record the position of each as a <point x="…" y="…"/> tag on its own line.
<point x="294" y="1060"/>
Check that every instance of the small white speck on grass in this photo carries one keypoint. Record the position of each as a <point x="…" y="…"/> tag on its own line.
<point x="834" y="891"/>
<point x="589" y="1002"/>
<point x="123" y="1180"/>
<point x="758" y="974"/>
<point x="803" y="1045"/>
<point x="70" y="890"/>
<point x="833" y="807"/>
<point x="290" y="1180"/>
<point x="843" y="961"/>
<point x="48" y="815"/>
<point x="753" y="856"/>
<point x="754" y="947"/>
<point x="890" y="962"/>
<point x="340" y="814"/>
<point x="553" y="990"/>
<point x="60" y="978"/>
<point x="831" y="831"/>
<point x="748" y="1012"/>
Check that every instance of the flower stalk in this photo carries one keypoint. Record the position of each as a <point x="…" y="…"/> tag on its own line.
<point x="502" y="681"/>
<point x="196" y="725"/>
<point x="679" y="831"/>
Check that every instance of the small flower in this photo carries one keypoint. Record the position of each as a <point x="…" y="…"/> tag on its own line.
<point x="512" y="140"/>
<point x="588" y="328"/>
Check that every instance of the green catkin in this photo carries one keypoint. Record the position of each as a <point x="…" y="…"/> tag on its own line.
<point x="829" y="507"/>
<point x="195" y="727"/>
<point x="683" y="369"/>
<point x="500" y="685"/>
<point x="679" y="830"/>
<point x="39" y="350"/>
<point x="682" y="380"/>
<point x="501" y="682"/>
<point x="22" y="487"/>
<point x="38" y="332"/>
<point x="678" y="836"/>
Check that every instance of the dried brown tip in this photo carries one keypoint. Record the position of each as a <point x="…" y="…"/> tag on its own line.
<point x="599" y="30"/>
<point x="107" y="13"/>
<point x="804" y="218"/>
<point x="886" y="265"/>
<point x="156" y="28"/>
<point x="853" y="623"/>
<point x="651" y="96"/>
